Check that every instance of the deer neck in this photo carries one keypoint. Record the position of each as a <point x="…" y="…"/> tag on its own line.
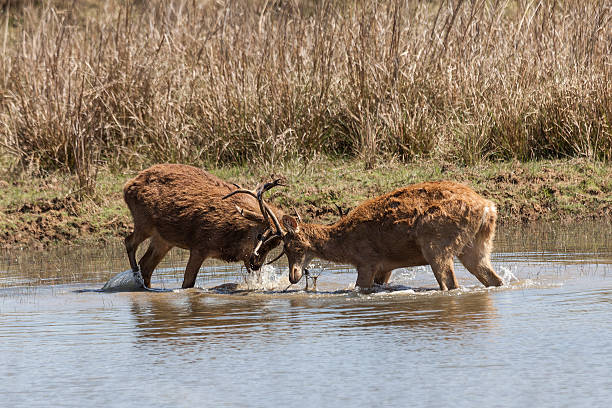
<point x="328" y="242"/>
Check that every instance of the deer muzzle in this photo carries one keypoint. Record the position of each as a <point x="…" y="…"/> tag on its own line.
<point x="253" y="265"/>
<point x="295" y="274"/>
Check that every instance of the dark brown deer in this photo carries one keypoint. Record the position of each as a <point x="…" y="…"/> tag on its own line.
<point x="183" y="206"/>
<point x="422" y="224"/>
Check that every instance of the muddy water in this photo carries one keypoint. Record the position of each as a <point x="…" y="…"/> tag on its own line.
<point x="543" y="340"/>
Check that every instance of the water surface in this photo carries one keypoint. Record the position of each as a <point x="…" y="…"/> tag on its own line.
<point x="545" y="339"/>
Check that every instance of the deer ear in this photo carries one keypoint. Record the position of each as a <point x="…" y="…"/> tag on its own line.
<point x="290" y="224"/>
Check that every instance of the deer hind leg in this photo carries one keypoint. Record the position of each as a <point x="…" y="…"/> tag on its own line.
<point x="480" y="267"/>
<point x="132" y="242"/>
<point x="475" y="257"/>
<point x="382" y="277"/>
<point x="443" y="270"/>
<point x="193" y="267"/>
<point x="440" y="257"/>
<point x="158" y="248"/>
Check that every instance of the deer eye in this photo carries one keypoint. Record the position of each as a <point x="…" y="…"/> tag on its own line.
<point x="259" y="236"/>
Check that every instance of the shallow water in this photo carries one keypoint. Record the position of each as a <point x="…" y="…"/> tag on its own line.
<point x="545" y="339"/>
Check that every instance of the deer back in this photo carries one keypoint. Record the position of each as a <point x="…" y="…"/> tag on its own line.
<point x="444" y="203"/>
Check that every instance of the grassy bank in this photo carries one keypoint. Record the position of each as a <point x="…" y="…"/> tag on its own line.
<point x="37" y="212"/>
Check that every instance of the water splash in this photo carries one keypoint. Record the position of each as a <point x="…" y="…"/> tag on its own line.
<point x="125" y="281"/>
<point x="267" y="278"/>
<point x="506" y="275"/>
<point x="403" y="276"/>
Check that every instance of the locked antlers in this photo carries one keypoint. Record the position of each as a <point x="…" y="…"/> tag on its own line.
<point x="265" y="210"/>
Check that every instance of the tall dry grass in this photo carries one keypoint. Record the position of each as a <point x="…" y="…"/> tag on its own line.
<point x="126" y="83"/>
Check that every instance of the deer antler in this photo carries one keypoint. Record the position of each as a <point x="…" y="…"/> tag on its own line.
<point x="262" y="189"/>
<point x="258" y="194"/>
<point x="263" y="207"/>
<point x="297" y="214"/>
<point x="277" y="257"/>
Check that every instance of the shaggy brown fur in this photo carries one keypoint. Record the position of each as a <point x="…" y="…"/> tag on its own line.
<point x="427" y="223"/>
<point x="179" y="205"/>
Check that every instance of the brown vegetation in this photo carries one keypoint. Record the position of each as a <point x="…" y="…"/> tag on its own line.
<point x="120" y="83"/>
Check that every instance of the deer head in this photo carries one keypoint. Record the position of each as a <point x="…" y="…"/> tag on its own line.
<point x="270" y="238"/>
<point x="296" y="247"/>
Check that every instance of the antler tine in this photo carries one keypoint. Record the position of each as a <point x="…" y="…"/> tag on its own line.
<point x="257" y="247"/>
<point x="262" y="188"/>
<point x="238" y="191"/>
<point x="297" y="214"/>
<point x="262" y="240"/>
<point x="277" y="258"/>
<point x="263" y="207"/>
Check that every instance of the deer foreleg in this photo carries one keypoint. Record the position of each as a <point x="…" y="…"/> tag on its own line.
<point x="365" y="278"/>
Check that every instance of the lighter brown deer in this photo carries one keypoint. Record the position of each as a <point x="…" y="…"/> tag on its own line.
<point x="183" y="206"/>
<point x="422" y="224"/>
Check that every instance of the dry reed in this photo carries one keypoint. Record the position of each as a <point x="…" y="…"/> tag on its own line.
<point x="125" y="83"/>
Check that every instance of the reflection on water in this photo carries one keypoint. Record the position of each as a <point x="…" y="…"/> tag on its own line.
<point x="197" y="318"/>
<point x="542" y="340"/>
